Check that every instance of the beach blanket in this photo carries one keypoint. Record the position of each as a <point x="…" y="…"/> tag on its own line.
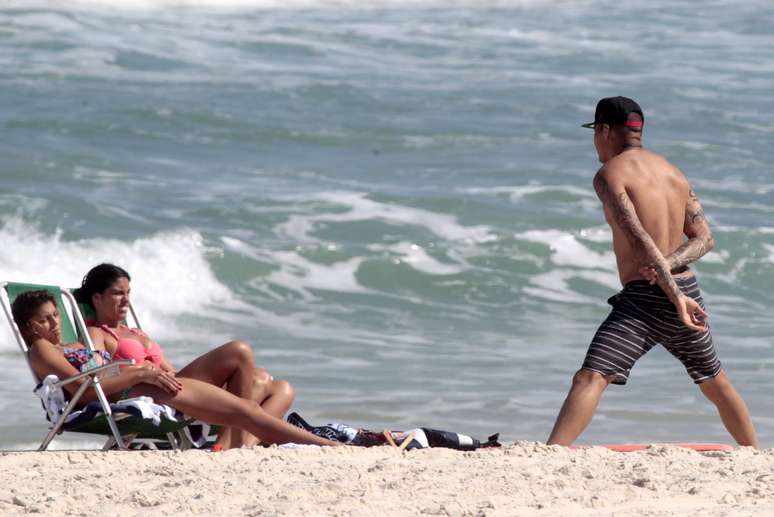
<point x="418" y="438"/>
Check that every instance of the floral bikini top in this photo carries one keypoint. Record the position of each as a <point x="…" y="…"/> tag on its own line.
<point x="79" y="357"/>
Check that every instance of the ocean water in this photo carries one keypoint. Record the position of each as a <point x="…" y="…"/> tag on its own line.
<point x="390" y="201"/>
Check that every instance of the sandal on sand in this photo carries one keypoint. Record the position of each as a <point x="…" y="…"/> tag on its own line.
<point x="406" y="440"/>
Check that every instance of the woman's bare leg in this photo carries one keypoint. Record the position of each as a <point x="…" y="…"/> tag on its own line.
<point x="281" y="397"/>
<point x="229" y="366"/>
<point x="274" y="396"/>
<point x="215" y="405"/>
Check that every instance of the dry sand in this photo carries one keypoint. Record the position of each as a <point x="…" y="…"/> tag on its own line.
<point x="524" y="478"/>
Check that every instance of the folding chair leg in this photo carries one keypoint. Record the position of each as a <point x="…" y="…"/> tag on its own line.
<point x="111" y="442"/>
<point x="173" y="441"/>
<point x="184" y="440"/>
<point x="60" y="422"/>
<point x="116" y="433"/>
<point x="109" y="415"/>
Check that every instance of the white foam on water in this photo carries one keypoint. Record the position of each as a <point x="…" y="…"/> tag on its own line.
<point x="733" y="184"/>
<point x="228" y="5"/>
<point x="424" y="142"/>
<point x="554" y="285"/>
<point x="699" y="94"/>
<point x="749" y="342"/>
<point x="104" y="177"/>
<point x="693" y="146"/>
<point x="770" y="249"/>
<point x="170" y="272"/>
<point x="360" y="208"/>
<point x="14" y="201"/>
<point x="597" y="234"/>
<point x="299" y="274"/>
<point x="244" y="249"/>
<point x="517" y="192"/>
<point x="566" y="250"/>
<point x="733" y="206"/>
<point x="571" y="42"/>
<point x="311" y="325"/>
<point x="727" y="228"/>
<point x="418" y="258"/>
<point x="716" y="257"/>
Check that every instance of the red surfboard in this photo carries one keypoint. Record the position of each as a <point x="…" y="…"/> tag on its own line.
<point x="632" y="447"/>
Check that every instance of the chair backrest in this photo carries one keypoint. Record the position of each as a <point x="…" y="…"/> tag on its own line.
<point x="87" y="311"/>
<point x="65" y="304"/>
<point x="14" y="289"/>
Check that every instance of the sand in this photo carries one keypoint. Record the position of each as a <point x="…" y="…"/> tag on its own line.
<point x="522" y="478"/>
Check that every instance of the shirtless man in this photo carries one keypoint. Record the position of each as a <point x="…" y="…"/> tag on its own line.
<point x="649" y="205"/>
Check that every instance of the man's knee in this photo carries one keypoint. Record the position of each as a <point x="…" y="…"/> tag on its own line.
<point x="588" y="379"/>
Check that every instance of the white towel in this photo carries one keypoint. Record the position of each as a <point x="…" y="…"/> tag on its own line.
<point x="148" y="409"/>
<point x="348" y="432"/>
<point x="54" y="402"/>
<point x="53" y="399"/>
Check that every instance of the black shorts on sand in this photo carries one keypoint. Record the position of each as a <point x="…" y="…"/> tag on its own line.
<point x="643" y="317"/>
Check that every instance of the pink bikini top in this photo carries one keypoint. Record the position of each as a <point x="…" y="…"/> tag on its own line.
<point x="128" y="348"/>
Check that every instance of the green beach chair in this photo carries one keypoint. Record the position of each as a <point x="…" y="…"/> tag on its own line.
<point x="122" y="424"/>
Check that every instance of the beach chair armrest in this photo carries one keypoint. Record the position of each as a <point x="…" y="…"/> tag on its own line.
<point x="94" y="371"/>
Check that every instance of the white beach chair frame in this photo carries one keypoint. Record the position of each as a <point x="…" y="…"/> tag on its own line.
<point x="91" y="375"/>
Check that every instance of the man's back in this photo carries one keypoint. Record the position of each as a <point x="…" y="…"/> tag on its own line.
<point x="659" y="193"/>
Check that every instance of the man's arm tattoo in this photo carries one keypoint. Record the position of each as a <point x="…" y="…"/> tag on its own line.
<point x="700" y="240"/>
<point x="625" y="216"/>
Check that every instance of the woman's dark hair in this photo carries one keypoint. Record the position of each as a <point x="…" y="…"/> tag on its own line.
<point x="97" y="280"/>
<point x="26" y="304"/>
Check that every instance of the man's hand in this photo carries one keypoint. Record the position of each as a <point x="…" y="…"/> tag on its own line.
<point x="649" y="274"/>
<point x="688" y="309"/>
<point x="691" y="314"/>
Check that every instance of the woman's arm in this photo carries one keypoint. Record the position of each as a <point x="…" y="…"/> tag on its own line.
<point x="167" y="366"/>
<point x="47" y="359"/>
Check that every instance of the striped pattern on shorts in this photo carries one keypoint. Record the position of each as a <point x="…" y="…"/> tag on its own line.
<point x="643" y="317"/>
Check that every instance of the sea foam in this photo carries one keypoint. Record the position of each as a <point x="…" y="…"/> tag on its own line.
<point x="231" y="5"/>
<point x="170" y="272"/>
<point x="301" y="227"/>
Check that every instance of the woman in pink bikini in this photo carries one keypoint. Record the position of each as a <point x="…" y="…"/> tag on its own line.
<point x="230" y="366"/>
<point x="39" y="322"/>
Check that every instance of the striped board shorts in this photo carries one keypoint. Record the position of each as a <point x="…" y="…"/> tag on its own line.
<point x="643" y="317"/>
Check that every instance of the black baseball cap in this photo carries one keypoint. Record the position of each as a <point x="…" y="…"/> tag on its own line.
<point x="615" y="112"/>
